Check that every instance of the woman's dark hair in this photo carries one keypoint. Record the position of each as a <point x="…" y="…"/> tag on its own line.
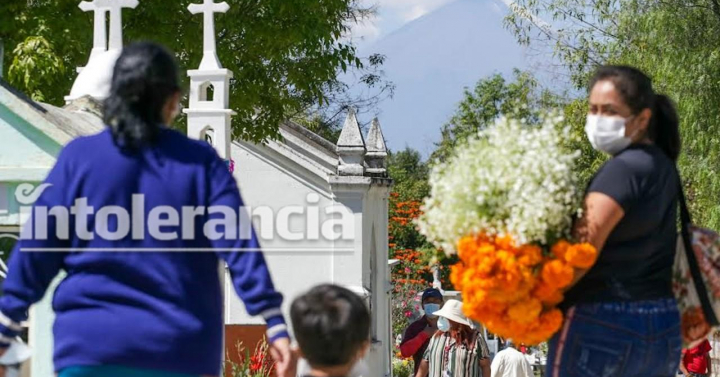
<point x="635" y="87"/>
<point x="331" y="325"/>
<point x="145" y="76"/>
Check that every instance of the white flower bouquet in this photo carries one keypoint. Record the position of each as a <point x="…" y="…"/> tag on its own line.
<point x="505" y="203"/>
<point x="511" y="178"/>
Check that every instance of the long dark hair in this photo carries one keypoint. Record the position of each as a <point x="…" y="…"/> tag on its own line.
<point x="145" y="76"/>
<point x="635" y="87"/>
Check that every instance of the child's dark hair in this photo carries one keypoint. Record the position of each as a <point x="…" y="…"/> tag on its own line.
<point x="636" y="89"/>
<point x="331" y="324"/>
<point x="144" y="77"/>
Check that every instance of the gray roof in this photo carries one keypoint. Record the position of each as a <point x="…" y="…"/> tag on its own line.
<point x="74" y="121"/>
<point x="81" y="117"/>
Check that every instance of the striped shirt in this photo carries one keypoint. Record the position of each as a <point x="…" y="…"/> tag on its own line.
<point x="446" y="358"/>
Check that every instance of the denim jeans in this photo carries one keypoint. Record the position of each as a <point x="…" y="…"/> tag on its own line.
<point x="619" y="339"/>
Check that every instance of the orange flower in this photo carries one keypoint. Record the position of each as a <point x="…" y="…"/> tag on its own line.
<point x="525" y="311"/>
<point x="547" y="293"/>
<point x="465" y="246"/>
<point x="581" y="255"/>
<point x="505" y="242"/>
<point x="560" y="248"/>
<point x="557" y="274"/>
<point x="551" y="321"/>
<point x="508" y="289"/>
<point x="530" y="255"/>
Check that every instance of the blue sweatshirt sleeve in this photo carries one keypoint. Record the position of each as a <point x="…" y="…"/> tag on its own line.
<point x="249" y="272"/>
<point x="31" y="272"/>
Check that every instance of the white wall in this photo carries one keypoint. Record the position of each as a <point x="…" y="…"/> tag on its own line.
<point x="270" y="181"/>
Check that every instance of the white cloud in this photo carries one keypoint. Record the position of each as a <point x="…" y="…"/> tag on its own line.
<point x="415" y="12"/>
<point x="366" y="30"/>
<point x="411" y="9"/>
<point x="391" y="15"/>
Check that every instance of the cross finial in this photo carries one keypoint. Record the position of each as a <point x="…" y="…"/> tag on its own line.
<point x="208" y="8"/>
<point x="100" y="30"/>
<point x="115" y="9"/>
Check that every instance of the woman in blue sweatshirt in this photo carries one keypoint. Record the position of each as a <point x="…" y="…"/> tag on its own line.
<point x="141" y="297"/>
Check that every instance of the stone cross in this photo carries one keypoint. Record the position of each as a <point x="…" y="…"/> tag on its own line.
<point x="115" y="9"/>
<point x="100" y="27"/>
<point x="208" y="8"/>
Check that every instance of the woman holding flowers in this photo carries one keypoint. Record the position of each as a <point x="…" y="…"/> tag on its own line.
<point x="620" y="315"/>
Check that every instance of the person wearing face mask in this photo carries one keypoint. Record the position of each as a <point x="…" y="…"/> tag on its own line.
<point x="620" y="315"/>
<point x="126" y="312"/>
<point x="458" y="349"/>
<point x="417" y="335"/>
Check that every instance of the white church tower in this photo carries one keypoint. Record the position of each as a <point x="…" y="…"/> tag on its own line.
<point x="209" y="115"/>
<point x="94" y="79"/>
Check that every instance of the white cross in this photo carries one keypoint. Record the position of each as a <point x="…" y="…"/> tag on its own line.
<point x="115" y="9"/>
<point x="100" y="29"/>
<point x="209" y="8"/>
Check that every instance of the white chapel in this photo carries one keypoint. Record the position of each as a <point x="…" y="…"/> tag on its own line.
<point x="311" y="182"/>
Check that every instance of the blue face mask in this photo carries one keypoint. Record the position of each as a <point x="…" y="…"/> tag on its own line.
<point x="430" y="309"/>
<point x="443" y="324"/>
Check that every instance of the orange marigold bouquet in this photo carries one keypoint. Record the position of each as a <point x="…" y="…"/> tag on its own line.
<point x="505" y="203"/>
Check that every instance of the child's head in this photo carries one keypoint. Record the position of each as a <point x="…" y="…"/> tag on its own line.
<point x="331" y="325"/>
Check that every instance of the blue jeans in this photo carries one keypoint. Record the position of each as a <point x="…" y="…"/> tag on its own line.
<point x="619" y="339"/>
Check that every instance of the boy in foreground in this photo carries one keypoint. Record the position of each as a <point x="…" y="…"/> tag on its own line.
<point x="332" y="328"/>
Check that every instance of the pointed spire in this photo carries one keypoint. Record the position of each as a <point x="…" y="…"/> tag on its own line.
<point x="376" y="149"/>
<point x="351" y="136"/>
<point x="351" y="147"/>
<point x="376" y="140"/>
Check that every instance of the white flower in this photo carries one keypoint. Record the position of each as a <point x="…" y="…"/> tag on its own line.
<point x="510" y="178"/>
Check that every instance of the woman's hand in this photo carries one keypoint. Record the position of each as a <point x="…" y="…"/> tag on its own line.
<point x="485" y="367"/>
<point x="424" y="369"/>
<point x="601" y="214"/>
<point x="285" y="359"/>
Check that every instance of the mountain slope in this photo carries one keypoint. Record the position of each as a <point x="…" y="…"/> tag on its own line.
<point x="431" y="60"/>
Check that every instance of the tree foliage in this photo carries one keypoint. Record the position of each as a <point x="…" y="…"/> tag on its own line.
<point x="410" y="185"/>
<point x="285" y="55"/>
<point x="521" y="98"/>
<point x="672" y="41"/>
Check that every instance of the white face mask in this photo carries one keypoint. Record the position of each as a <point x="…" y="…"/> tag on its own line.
<point x="443" y="324"/>
<point x="607" y="134"/>
<point x="430" y="310"/>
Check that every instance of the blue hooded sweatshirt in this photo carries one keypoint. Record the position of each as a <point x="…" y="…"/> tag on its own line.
<point x="138" y="301"/>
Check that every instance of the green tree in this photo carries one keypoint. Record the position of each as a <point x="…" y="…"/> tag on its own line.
<point x="286" y="55"/>
<point x="492" y="97"/>
<point x="670" y="40"/>
<point x="409" y="173"/>
<point x="410" y="186"/>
